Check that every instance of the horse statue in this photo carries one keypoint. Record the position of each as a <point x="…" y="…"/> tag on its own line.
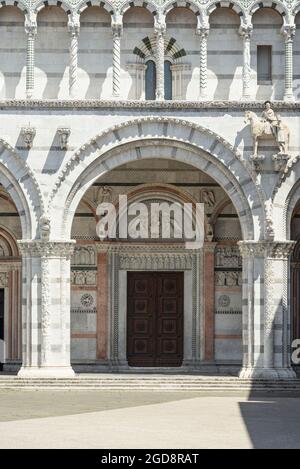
<point x="262" y="129"/>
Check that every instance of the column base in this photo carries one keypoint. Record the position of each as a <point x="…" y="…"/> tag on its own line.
<point x="289" y="97"/>
<point x="267" y="373"/>
<point x="46" y="372"/>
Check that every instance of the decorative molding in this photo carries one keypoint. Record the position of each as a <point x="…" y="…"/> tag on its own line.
<point x="225" y="105"/>
<point x="266" y="249"/>
<point x="157" y="261"/>
<point x="64" y="134"/>
<point x="46" y="249"/>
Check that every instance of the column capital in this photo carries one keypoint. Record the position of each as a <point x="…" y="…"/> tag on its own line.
<point x="202" y="31"/>
<point x="30" y="23"/>
<point x="266" y="249"/>
<point x="38" y="248"/>
<point x="74" y="23"/>
<point x="288" y="31"/>
<point x="160" y="24"/>
<point x="202" y="24"/>
<point x="246" y="30"/>
<point x="117" y="25"/>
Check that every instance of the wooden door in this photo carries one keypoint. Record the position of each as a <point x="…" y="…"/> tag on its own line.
<point x="155" y="319"/>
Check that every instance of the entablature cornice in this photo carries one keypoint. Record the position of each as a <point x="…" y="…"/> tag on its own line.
<point x="227" y="106"/>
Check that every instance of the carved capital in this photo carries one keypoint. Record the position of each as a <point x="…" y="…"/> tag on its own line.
<point x="39" y="248"/>
<point x="160" y="24"/>
<point x="74" y="24"/>
<point x="30" y="23"/>
<point x="202" y="31"/>
<point x="117" y="25"/>
<point x="266" y="249"/>
<point x="245" y="30"/>
<point x="288" y="31"/>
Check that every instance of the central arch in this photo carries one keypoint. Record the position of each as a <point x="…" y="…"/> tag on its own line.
<point x="165" y="138"/>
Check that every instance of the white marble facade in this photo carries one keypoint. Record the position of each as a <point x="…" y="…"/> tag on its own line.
<point x="77" y="129"/>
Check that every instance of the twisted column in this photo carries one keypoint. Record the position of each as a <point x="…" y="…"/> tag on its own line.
<point x="246" y="32"/>
<point x="159" y="31"/>
<point x="288" y="32"/>
<point x="31" y="30"/>
<point x="203" y="35"/>
<point x="117" y="30"/>
<point x="73" y="28"/>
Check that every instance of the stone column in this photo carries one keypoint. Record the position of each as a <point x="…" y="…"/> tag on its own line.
<point x="31" y="30"/>
<point x="266" y="323"/>
<point x="117" y="30"/>
<point x="73" y="28"/>
<point x="159" y="31"/>
<point x="102" y="303"/>
<point x="202" y="32"/>
<point x="246" y="32"/>
<point x="209" y="300"/>
<point x="288" y="32"/>
<point x="46" y="308"/>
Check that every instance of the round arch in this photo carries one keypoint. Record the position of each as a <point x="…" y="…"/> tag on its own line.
<point x="230" y="5"/>
<point x="150" y="6"/>
<point x="167" y="138"/>
<point x="286" y="197"/>
<point x="167" y="192"/>
<point x="19" y="182"/>
<point x="93" y="3"/>
<point x="171" y="5"/>
<point x="63" y="4"/>
<point x="12" y="3"/>
<point x="276" y="6"/>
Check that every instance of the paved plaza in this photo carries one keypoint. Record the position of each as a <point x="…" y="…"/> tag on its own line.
<point x="91" y="419"/>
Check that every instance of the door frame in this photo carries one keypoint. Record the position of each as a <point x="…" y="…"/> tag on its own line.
<point x="126" y="258"/>
<point x="180" y="294"/>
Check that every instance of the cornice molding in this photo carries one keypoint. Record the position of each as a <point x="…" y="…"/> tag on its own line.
<point x="134" y="104"/>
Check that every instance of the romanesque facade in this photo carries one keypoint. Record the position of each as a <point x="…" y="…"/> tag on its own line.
<point x="162" y="101"/>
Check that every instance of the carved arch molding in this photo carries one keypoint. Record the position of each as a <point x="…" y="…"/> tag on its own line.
<point x="154" y="137"/>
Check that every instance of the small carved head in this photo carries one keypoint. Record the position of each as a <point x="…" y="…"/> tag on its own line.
<point x="44" y="226"/>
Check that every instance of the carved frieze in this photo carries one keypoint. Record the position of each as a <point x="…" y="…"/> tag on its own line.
<point x="228" y="278"/>
<point x="162" y="261"/>
<point x="84" y="277"/>
<point x="84" y="255"/>
<point x="228" y="257"/>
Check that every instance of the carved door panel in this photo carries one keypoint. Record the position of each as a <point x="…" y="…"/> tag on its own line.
<point x="155" y="319"/>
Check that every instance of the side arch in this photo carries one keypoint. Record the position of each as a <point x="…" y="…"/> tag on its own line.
<point x="166" y="138"/>
<point x="286" y="198"/>
<point x="19" y="181"/>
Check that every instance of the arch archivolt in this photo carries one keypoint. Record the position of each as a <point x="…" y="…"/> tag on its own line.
<point x="147" y="138"/>
<point x="20" y="183"/>
<point x="285" y="199"/>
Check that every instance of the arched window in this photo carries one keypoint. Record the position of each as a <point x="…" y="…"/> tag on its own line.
<point x="168" y="80"/>
<point x="150" y="85"/>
